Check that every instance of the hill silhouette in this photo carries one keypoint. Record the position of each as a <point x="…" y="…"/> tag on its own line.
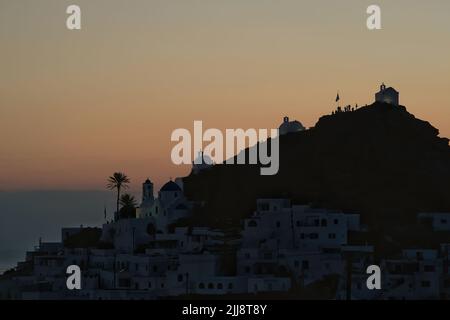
<point x="379" y="161"/>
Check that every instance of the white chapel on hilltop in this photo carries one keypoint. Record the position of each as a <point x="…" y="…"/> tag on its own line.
<point x="290" y="126"/>
<point x="387" y="95"/>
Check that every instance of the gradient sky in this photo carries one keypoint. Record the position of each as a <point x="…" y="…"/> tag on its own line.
<point x="76" y="106"/>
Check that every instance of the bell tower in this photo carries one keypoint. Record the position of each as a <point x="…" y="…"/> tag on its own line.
<point x="147" y="191"/>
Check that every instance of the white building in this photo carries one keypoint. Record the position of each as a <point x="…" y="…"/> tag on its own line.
<point x="298" y="226"/>
<point x="170" y="206"/>
<point x="126" y="235"/>
<point x="280" y="238"/>
<point x="415" y="275"/>
<point x="387" y="95"/>
<point x="148" y="199"/>
<point x="290" y="126"/>
<point x="438" y="221"/>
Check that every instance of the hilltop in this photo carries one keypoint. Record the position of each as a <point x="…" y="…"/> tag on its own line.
<point x="379" y="161"/>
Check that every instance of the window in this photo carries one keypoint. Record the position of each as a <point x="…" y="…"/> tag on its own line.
<point x="149" y="284"/>
<point x="336" y="221"/>
<point x="296" y="263"/>
<point x="201" y="285"/>
<point x="305" y="265"/>
<point x="278" y="224"/>
<point x="426" y="284"/>
<point x="429" y="268"/>
<point x="324" y="222"/>
<point x="444" y="221"/>
<point x="247" y="255"/>
<point x="124" y="282"/>
<point x="230" y="286"/>
<point x="180" y="277"/>
<point x="332" y="236"/>
<point x="252" y="224"/>
<point x="155" y="269"/>
<point x="210" y="286"/>
<point x="302" y="236"/>
<point x="247" y="269"/>
<point x="447" y="283"/>
<point x="313" y="236"/>
<point x="219" y="286"/>
<point x="268" y="255"/>
<point x="298" y="223"/>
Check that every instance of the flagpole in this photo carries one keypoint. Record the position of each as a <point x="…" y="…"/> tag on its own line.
<point x="338" y="98"/>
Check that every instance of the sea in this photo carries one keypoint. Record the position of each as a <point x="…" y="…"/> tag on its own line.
<point x="27" y="216"/>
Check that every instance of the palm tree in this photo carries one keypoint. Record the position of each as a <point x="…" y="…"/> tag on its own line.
<point x="128" y="201"/>
<point x="128" y="209"/>
<point x="118" y="181"/>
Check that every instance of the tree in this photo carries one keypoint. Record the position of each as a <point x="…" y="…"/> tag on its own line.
<point x="118" y="181"/>
<point x="129" y="204"/>
<point x="128" y="201"/>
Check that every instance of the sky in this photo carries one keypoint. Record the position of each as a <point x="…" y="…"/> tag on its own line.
<point x="76" y="106"/>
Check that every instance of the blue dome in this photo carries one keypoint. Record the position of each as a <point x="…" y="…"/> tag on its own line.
<point x="170" y="186"/>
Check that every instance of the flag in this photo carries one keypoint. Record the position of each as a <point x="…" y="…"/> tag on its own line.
<point x="337" y="97"/>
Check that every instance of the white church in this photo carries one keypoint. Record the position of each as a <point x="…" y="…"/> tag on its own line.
<point x="387" y="95"/>
<point x="170" y="205"/>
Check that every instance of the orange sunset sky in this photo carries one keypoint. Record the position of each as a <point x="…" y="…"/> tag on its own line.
<point x="76" y="106"/>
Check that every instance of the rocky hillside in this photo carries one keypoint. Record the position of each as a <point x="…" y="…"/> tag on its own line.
<point x="379" y="161"/>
